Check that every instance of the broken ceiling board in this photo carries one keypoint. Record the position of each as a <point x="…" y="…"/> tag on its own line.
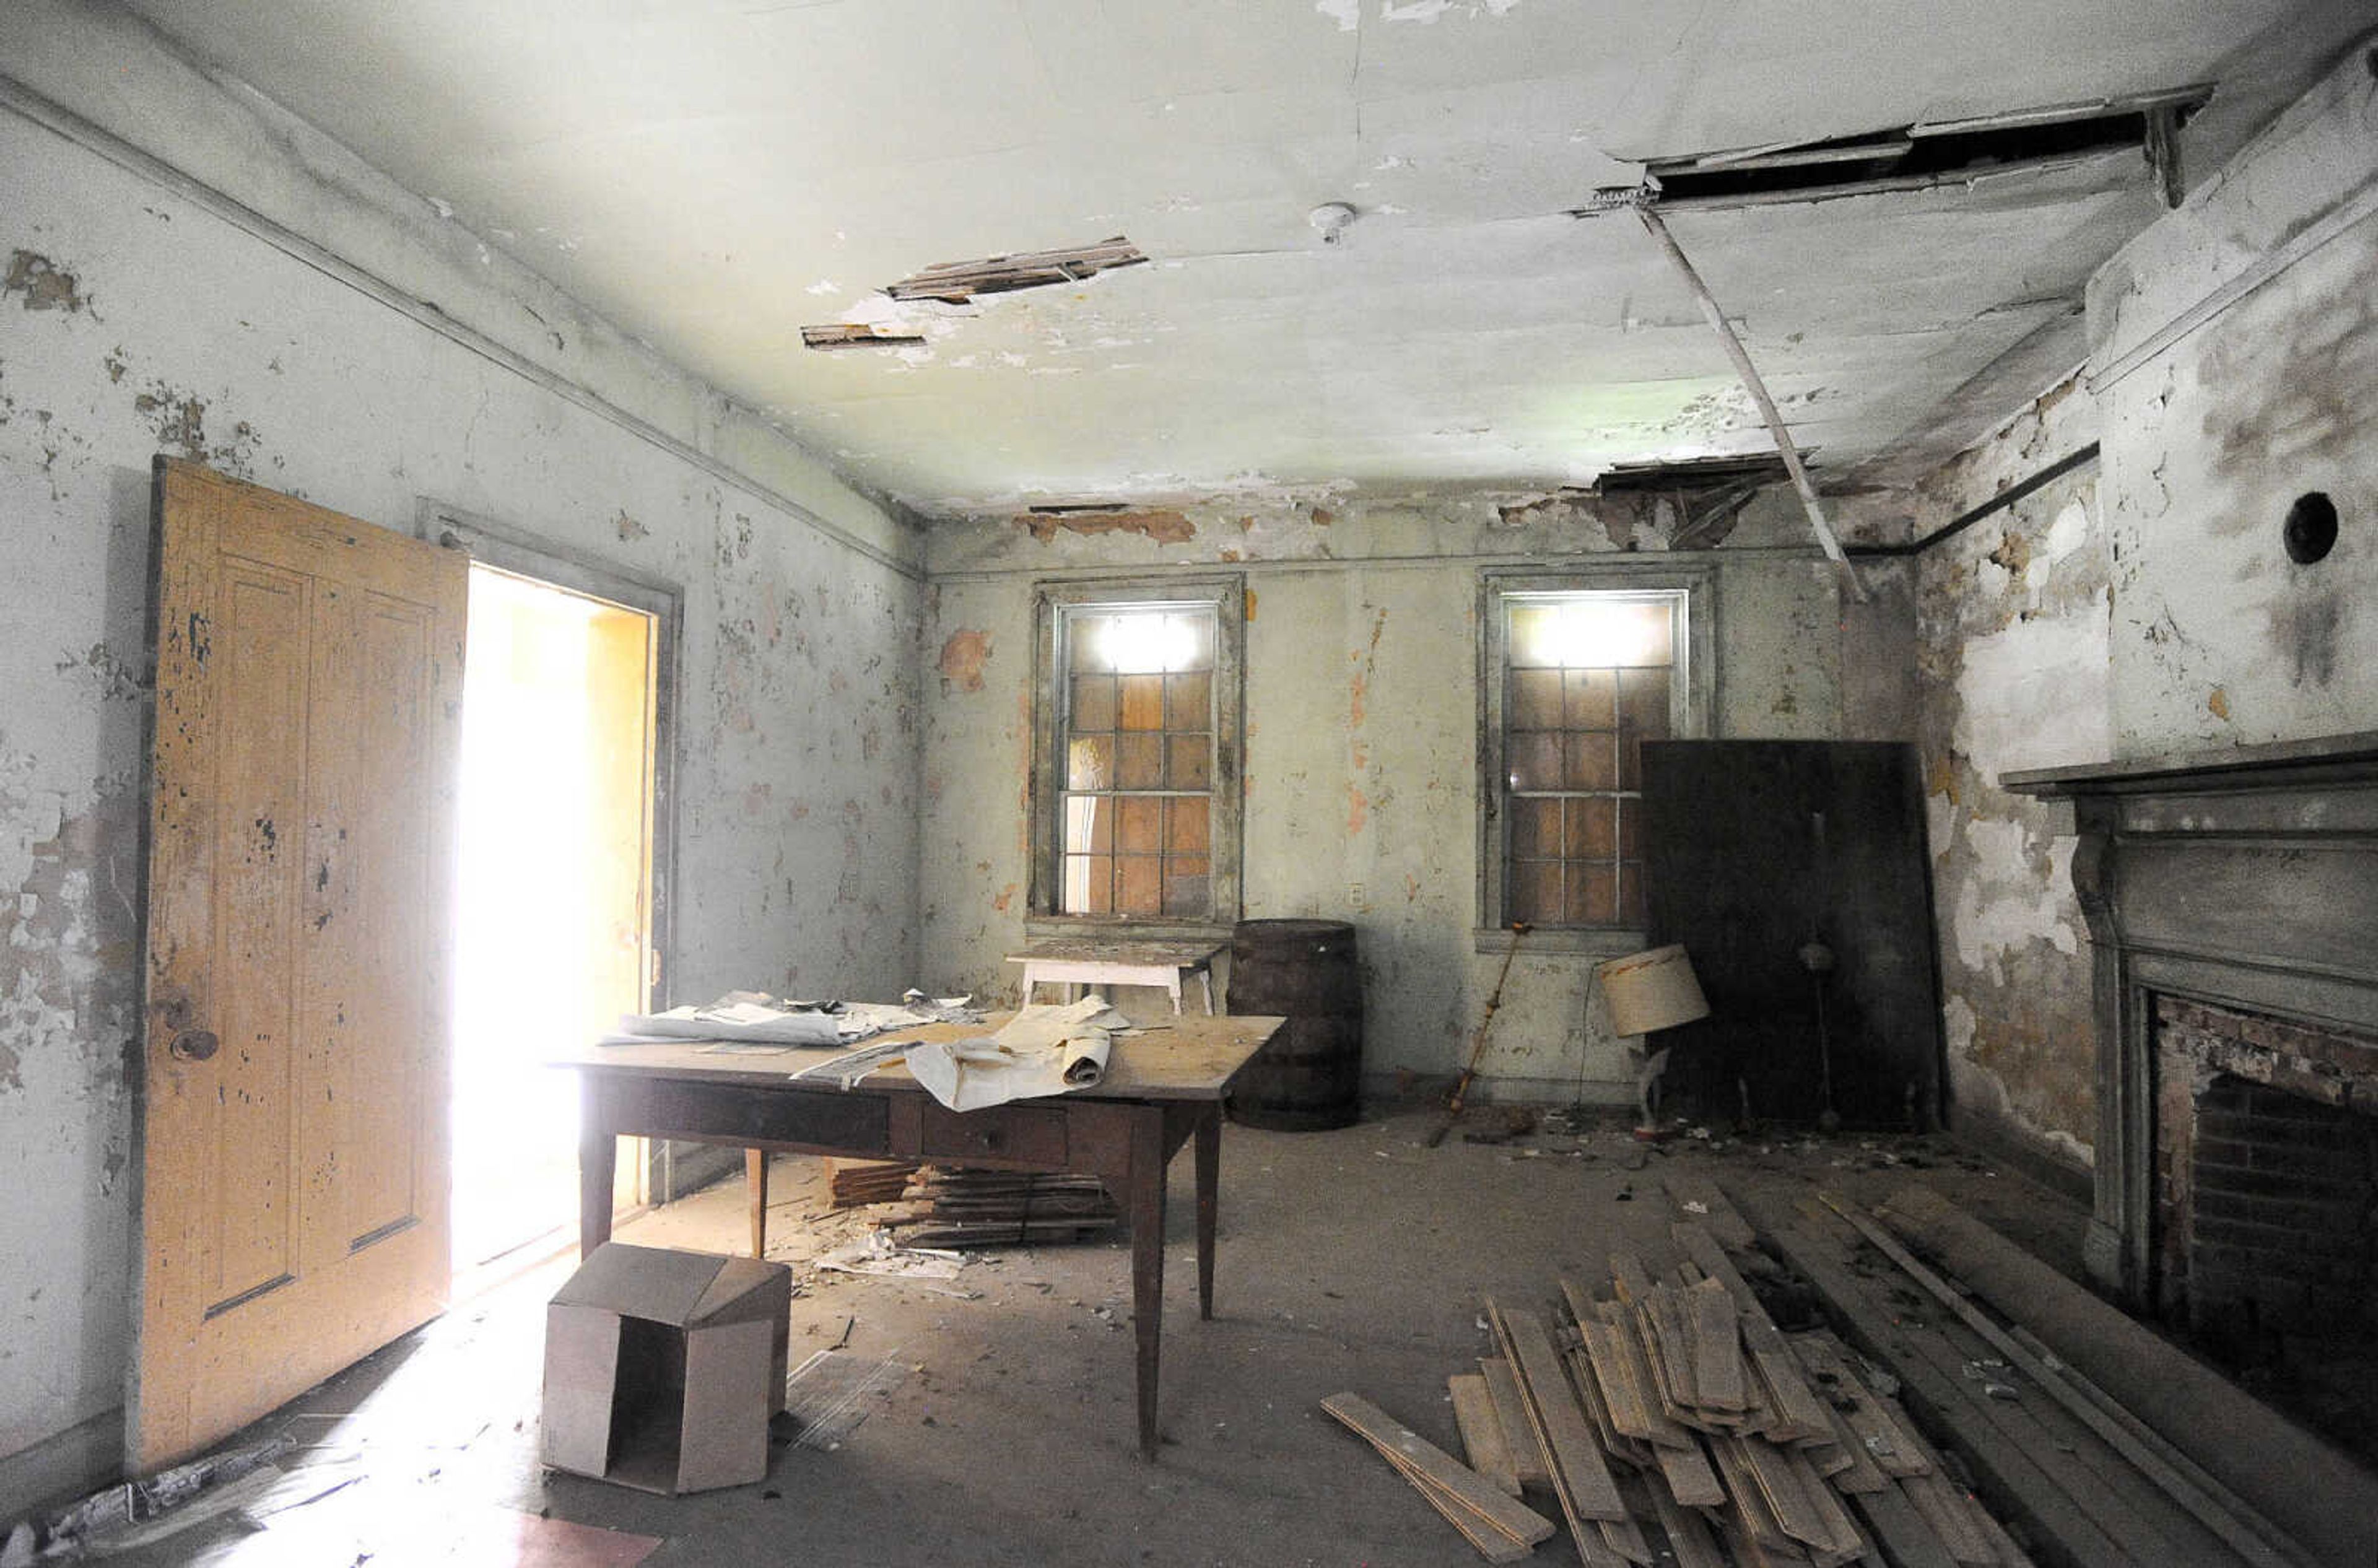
<point x="651" y="163"/>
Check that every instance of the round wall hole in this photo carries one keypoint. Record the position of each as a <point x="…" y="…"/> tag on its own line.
<point x="2311" y="528"/>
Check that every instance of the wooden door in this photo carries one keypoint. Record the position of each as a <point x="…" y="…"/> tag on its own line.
<point x="1753" y="848"/>
<point x="294" y="1210"/>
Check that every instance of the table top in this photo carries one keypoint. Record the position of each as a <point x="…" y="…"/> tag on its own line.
<point x="1187" y="1058"/>
<point x="1140" y="954"/>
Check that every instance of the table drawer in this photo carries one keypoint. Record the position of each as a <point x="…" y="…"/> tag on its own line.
<point x="1031" y="1135"/>
<point x="850" y="1124"/>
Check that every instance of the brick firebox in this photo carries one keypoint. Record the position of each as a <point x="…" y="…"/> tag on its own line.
<point x="2232" y="897"/>
<point x="2267" y="1177"/>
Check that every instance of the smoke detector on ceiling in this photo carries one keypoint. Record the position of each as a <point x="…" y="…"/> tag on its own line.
<point x="1331" y="218"/>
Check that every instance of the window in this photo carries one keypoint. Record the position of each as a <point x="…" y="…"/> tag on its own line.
<point x="1136" y="784"/>
<point x="1577" y="678"/>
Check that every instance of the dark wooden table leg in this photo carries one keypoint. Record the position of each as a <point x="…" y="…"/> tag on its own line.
<point x="1147" y="1260"/>
<point x="1209" y="1170"/>
<point x="598" y="1155"/>
<point x="755" y="1179"/>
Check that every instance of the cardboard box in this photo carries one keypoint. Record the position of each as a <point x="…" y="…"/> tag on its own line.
<point x="661" y="1368"/>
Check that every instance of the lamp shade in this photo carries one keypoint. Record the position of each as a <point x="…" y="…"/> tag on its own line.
<point x="1649" y="990"/>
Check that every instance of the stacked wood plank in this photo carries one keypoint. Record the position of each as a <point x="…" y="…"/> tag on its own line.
<point x="1488" y="1517"/>
<point x="952" y="1206"/>
<point x="1673" y="1422"/>
<point x="853" y="1183"/>
<point x="2081" y="1478"/>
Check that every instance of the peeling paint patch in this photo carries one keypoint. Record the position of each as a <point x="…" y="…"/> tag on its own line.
<point x="1165" y="526"/>
<point x="964" y="654"/>
<point x="43" y="284"/>
<point x="628" y="528"/>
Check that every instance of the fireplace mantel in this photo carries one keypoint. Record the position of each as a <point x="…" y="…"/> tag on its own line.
<point x="2246" y="876"/>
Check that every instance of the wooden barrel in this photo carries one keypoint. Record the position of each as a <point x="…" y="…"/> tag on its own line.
<point x="1310" y="1076"/>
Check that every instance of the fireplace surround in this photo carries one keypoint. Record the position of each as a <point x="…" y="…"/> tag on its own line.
<point x="2232" y="904"/>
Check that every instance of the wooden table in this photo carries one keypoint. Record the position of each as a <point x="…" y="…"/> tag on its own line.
<point x="1079" y="962"/>
<point x="1162" y="1089"/>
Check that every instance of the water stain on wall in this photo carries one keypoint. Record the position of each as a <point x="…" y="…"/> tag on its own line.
<point x="963" y="658"/>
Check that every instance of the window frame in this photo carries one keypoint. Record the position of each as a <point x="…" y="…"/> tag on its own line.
<point x="1692" y="715"/>
<point x="1053" y="605"/>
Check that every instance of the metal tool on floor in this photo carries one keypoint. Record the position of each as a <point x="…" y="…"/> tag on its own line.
<point x="1478" y="1041"/>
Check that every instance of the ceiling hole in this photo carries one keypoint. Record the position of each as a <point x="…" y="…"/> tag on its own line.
<point x="2309" y="531"/>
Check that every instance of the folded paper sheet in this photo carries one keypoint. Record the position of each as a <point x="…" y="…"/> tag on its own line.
<point x="1041" y="1050"/>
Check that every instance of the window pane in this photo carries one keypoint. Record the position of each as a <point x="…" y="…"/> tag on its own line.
<point x="1535" y="761"/>
<point x="1139" y="885"/>
<point x="1089" y="884"/>
<point x="1593" y="700"/>
<point x="1139" y="825"/>
<point x="1093" y="703"/>
<point x="1592" y="893"/>
<point x="1089" y="763"/>
<point x="1630" y="886"/>
<point x="1186" y="894"/>
<point x="1649" y="633"/>
<point x="1139" y="762"/>
<point x="1084" y="636"/>
<point x="1184" y="826"/>
<point x="1188" y="700"/>
<point x="1143" y="702"/>
<point x="1535" y="828"/>
<point x="1630" y="829"/>
<point x="1535" y="699"/>
<point x="1592" y="830"/>
<point x="1534" y="641"/>
<point x="1191" y="763"/>
<point x="1089" y="825"/>
<point x="1643" y="702"/>
<point x="1593" y="761"/>
<point x="1535" y="892"/>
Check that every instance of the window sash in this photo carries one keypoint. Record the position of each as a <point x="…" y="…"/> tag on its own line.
<point x="1139" y="769"/>
<point x="1561" y="845"/>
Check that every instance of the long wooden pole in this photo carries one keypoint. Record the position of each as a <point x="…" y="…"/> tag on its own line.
<point x="1784" y="448"/>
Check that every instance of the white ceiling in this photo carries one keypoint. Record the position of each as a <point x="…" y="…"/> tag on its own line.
<point x="713" y="174"/>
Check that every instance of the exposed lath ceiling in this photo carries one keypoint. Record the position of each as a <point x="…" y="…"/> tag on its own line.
<point x="715" y="174"/>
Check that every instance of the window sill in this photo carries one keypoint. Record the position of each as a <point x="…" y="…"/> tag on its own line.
<point x="1039" y="927"/>
<point x="1583" y="941"/>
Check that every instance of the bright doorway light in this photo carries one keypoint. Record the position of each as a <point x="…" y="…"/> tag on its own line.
<point x="553" y="910"/>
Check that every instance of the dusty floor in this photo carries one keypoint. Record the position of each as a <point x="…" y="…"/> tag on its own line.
<point x="1348" y="1260"/>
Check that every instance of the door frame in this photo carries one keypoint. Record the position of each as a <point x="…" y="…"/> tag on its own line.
<point x="513" y="550"/>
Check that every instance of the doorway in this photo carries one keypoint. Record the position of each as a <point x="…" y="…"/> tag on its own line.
<point x="559" y="909"/>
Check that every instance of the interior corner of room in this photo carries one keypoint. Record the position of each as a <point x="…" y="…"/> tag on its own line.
<point x="1715" y="605"/>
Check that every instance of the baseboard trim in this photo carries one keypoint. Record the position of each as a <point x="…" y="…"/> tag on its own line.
<point x="62" y="1469"/>
<point x="2002" y="1142"/>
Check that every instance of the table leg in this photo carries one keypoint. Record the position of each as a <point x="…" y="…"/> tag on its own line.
<point x="1209" y="1170"/>
<point x="755" y="1180"/>
<point x="598" y="1157"/>
<point x="1173" y="988"/>
<point x="1206" y="984"/>
<point x="1147" y="1260"/>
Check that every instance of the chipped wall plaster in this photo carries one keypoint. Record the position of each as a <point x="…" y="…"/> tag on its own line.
<point x="1361" y="713"/>
<point x="2219" y="639"/>
<point x="147" y="323"/>
<point x="2012" y="630"/>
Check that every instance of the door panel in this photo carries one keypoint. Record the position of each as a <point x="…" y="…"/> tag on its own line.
<point x="1755" y="847"/>
<point x="293" y="1196"/>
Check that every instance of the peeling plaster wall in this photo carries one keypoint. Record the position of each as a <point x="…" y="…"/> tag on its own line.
<point x="2219" y="639"/>
<point x="133" y="320"/>
<point x="1362" y="747"/>
<point x="2143" y="606"/>
<point x="2012" y="623"/>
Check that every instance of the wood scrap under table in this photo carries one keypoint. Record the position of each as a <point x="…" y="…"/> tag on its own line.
<point x="961" y="1206"/>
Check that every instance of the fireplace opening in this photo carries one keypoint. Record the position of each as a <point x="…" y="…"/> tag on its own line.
<point x="2267" y="1206"/>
